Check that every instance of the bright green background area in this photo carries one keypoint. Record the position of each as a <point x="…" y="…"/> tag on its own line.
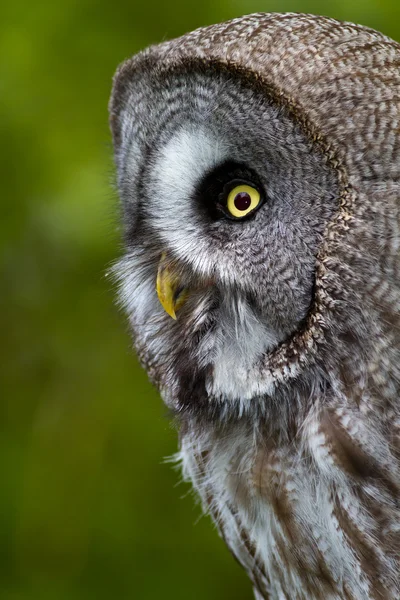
<point x="88" y="509"/>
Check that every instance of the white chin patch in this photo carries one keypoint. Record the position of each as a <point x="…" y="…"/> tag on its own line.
<point x="242" y="340"/>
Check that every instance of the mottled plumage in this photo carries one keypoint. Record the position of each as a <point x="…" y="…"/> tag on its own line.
<point x="283" y="366"/>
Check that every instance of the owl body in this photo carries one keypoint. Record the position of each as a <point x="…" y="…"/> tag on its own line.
<point x="258" y="165"/>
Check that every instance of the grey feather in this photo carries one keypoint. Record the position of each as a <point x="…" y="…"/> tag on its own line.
<point x="283" y="366"/>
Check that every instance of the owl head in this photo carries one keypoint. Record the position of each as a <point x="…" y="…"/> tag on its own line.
<point x="244" y="173"/>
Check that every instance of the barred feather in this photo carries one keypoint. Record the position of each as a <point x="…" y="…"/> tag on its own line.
<point x="283" y="369"/>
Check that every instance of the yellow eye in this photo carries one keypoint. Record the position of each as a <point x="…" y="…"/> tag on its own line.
<point x="242" y="200"/>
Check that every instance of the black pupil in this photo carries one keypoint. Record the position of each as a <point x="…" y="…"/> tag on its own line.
<point x="242" y="201"/>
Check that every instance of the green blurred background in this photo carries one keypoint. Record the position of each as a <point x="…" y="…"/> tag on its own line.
<point x="88" y="508"/>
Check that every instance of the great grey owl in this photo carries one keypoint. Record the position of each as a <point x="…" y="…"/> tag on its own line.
<point x="258" y="164"/>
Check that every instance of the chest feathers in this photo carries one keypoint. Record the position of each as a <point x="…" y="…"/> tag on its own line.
<point x="315" y="513"/>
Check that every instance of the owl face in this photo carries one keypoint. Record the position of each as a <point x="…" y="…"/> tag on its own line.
<point x="225" y="204"/>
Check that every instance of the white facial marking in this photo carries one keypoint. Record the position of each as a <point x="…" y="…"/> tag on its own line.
<point x="178" y="168"/>
<point x="243" y="338"/>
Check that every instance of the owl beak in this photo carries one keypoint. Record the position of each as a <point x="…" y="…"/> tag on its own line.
<point x="170" y="291"/>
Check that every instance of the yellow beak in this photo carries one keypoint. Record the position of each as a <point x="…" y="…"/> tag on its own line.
<point x="170" y="292"/>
